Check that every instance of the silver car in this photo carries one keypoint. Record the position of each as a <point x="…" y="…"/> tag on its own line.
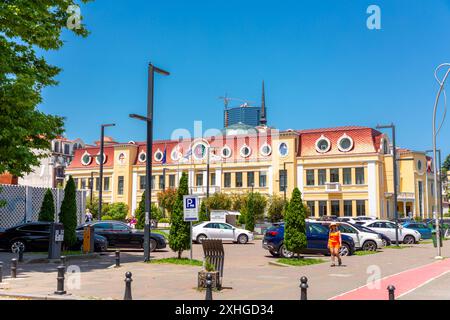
<point x="220" y="230"/>
<point x="405" y="235"/>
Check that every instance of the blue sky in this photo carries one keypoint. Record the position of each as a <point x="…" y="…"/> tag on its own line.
<point x="321" y="65"/>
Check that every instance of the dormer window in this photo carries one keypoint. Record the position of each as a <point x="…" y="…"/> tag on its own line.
<point x="345" y="143"/>
<point x="86" y="159"/>
<point x="246" y="151"/>
<point x="323" y="144"/>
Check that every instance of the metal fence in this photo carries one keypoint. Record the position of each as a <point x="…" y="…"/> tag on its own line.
<point x="23" y="204"/>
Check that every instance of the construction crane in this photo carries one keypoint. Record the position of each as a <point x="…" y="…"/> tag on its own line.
<point x="226" y="101"/>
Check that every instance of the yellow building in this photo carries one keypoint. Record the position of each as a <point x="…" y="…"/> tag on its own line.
<point x="344" y="171"/>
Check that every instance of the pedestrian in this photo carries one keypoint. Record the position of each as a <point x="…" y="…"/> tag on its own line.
<point x="88" y="215"/>
<point x="334" y="243"/>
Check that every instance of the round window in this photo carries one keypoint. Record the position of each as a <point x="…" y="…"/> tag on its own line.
<point x="97" y="158"/>
<point x="345" y="143"/>
<point x="142" y="156"/>
<point x="158" y="155"/>
<point x="266" y="150"/>
<point x="175" y="155"/>
<point x="226" y="152"/>
<point x="283" y="149"/>
<point x="199" y="151"/>
<point x="245" y="151"/>
<point x="86" y="159"/>
<point x="323" y="145"/>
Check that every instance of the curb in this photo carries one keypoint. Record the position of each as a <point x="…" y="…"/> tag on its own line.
<point x="36" y="296"/>
<point x="278" y="264"/>
<point x="68" y="258"/>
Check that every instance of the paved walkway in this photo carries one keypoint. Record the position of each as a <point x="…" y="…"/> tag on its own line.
<point x="247" y="275"/>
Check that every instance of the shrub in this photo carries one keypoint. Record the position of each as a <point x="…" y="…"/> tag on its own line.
<point x="219" y="201"/>
<point x="106" y="217"/>
<point x="47" y="212"/>
<point x="179" y="237"/>
<point x="253" y="209"/>
<point x="203" y="214"/>
<point x="295" y="229"/>
<point x="68" y="214"/>
<point x="157" y="212"/>
<point x="276" y="209"/>
<point x="139" y="213"/>
<point x="164" y="220"/>
<point x="117" y="211"/>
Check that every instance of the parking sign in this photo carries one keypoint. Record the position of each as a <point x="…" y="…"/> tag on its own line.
<point x="190" y="206"/>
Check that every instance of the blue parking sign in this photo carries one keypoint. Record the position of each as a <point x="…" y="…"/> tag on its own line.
<point x="190" y="206"/>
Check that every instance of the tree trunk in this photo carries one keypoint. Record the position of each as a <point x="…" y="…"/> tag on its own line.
<point x="179" y="254"/>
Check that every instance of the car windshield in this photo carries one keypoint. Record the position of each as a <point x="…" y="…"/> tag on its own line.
<point x="317" y="228"/>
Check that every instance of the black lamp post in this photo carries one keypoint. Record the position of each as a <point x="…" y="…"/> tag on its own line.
<point x="394" y="159"/>
<point x="149" y="119"/>
<point x="100" y="192"/>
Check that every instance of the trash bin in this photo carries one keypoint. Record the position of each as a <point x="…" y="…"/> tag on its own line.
<point x="433" y="236"/>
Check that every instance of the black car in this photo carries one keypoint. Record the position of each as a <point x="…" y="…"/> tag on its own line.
<point x="34" y="236"/>
<point x="120" y="234"/>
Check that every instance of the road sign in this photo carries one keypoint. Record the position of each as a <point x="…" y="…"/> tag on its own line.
<point x="190" y="206"/>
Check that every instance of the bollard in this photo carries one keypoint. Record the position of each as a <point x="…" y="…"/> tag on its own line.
<point x="303" y="288"/>
<point x="117" y="258"/>
<point x="60" y="280"/>
<point x="13" y="268"/>
<point x="21" y="254"/>
<point x="391" y="290"/>
<point x="1" y="272"/>
<point x="64" y="263"/>
<point x="208" y="287"/>
<point x="128" y="280"/>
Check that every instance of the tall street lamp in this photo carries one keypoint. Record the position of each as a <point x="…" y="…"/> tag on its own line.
<point x="439" y="181"/>
<point x="102" y="145"/>
<point x="394" y="161"/>
<point x="149" y="119"/>
<point x="435" y="133"/>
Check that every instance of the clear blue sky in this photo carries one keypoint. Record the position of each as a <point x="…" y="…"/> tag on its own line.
<point x="321" y="65"/>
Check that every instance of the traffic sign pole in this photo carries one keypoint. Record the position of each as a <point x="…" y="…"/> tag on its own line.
<point x="190" y="211"/>
<point x="191" y="239"/>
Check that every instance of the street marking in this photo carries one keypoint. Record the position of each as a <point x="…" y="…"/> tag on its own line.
<point x="423" y="284"/>
<point x="404" y="282"/>
<point x="340" y="275"/>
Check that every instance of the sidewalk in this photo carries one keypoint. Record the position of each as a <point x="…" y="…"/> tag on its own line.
<point x="247" y="274"/>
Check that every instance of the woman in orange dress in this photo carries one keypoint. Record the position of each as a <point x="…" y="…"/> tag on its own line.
<point x="334" y="243"/>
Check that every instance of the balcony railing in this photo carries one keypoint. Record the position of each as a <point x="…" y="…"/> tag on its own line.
<point x="332" y="187"/>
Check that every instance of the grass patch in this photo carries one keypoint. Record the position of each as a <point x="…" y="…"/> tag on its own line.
<point x="183" y="261"/>
<point x="164" y="234"/>
<point x="299" y="262"/>
<point x="364" y="253"/>
<point x="393" y="246"/>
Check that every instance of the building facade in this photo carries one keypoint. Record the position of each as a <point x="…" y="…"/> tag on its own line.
<point x="51" y="171"/>
<point x="345" y="171"/>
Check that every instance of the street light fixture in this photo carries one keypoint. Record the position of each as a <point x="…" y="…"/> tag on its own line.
<point x="149" y="120"/>
<point x="102" y="145"/>
<point x="435" y="133"/>
<point x="394" y="160"/>
<point x="439" y="181"/>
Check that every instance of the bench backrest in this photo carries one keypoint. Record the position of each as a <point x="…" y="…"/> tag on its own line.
<point x="214" y="253"/>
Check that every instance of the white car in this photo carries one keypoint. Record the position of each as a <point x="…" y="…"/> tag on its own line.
<point x="405" y="235"/>
<point x="366" y="241"/>
<point x="220" y="230"/>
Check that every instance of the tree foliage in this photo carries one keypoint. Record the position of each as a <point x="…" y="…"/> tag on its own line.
<point x="253" y="209"/>
<point x="68" y="214"/>
<point x="179" y="237"/>
<point x="166" y="199"/>
<point x="25" y="27"/>
<point x="139" y="213"/>
<point x="446" y="164"/>
<point x="275" y="211"/>
<point x="295" y="227"/>
<point x="203" y="214"/>
<point x="47" y="212"/>
<point x="117" y="211"/>
<point x="219" y="201"/>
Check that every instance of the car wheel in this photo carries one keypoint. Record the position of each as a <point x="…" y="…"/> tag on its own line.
<point x="385" y="243"/>
<point x="285" y="253"/>
<point x="152" y="245"/>
<point x="201" y="237"/>
<point x="242" y="239"/>
<point x="17" y="245"/>
<point x="344" y="250"/>
<point x="409" y="240"/>
<point x="274" y="254"/>
<point x="369" y="245"/>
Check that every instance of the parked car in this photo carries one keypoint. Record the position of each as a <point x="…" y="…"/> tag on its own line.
<point x="405" y="235"/>
<point x="346" y="219"/>
<point x="423" y="228"/>
<point x="34" y="236"/>
<point x="384" y="239"/>
<point x="120" y="234"/>
<point x="367" y="241"/>
<point x="316" y="238"/>
<point x="220" y="230"/>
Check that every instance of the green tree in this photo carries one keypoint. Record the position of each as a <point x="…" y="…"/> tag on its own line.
<point x="68" y="214"/>
<point x="275" y="211"/>
<point x="139" y="213"/>
<point x="47" y="212"/>
<point x="166" y="199"/>
<point x="157" y="212"/>
<point x="93" y="206"/>
<point x="179" y="229"/>
<point x="25" y="28"/>
<point x="219" y="201"/>
<point x="254" y="208"/>
<point x="295" y="228"/>
<point x="117" y="211"/>
<point x="203" y="214"/>
<point x="446" y="164"/>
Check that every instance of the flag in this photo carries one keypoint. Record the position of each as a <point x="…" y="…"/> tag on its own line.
<point x="188" y="154"/>
<point x="164" y="158"/>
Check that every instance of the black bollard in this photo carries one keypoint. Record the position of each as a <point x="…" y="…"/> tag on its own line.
<point x="127" y="295"/>
<point x="14" y="268"/>
<point x="64" y="263"/>
<point x="60" y="280"/>
<point x="117" y="258"/>
<point x="1" y="272"/>
<point x="208" y="295"/>
<point x="391" y="290"/>
<point x="20" y="254"/>
<point x="303" y="288"/>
